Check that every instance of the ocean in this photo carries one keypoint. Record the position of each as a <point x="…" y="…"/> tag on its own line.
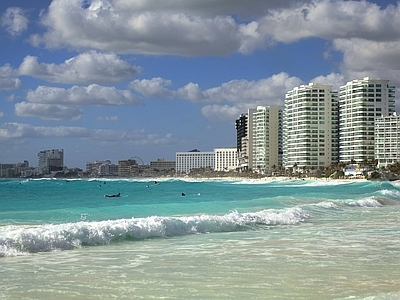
<point x="187" y="239"/>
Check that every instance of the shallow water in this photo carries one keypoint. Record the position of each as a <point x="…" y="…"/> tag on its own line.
<point x="226" y="240"/>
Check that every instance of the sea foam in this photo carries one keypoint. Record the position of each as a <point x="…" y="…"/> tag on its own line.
<point x="67" y="236"/>
<point x="368" y="202"/>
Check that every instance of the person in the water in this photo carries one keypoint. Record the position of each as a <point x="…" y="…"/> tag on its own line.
<point x="113" y="196"/>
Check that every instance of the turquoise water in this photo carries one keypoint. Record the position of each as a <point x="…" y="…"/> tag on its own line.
<point x="288" y="239"/>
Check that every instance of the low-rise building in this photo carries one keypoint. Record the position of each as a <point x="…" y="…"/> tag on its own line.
<point x="194" y="159"/>
<point x="162" y="165"/>
<point x="225" y="159"/>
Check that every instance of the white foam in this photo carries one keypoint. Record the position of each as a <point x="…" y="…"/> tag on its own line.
<point x="369" y="202"/>
<point x="44" y="238"/>
<point x="326" y="204"/>
<point x="391" y="193"/>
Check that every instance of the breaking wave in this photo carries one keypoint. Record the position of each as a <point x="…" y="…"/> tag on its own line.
<point x="17" y="240"/>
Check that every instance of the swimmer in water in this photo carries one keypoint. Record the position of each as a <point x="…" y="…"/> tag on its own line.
<point x="113" y="196"/>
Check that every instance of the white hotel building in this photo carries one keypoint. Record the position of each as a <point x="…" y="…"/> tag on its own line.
<point x="387" y="140"/>
<point x="266" y="139"/>
<point x="310" y="126"/>
<point x="194" y="159"/>
<point x="226" y="159"/>
<point x="361" y="103"/>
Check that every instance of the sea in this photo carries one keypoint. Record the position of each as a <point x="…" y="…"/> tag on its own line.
<point x="199" y="239"/>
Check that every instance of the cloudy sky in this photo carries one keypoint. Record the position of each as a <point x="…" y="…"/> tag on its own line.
<point x="115" y="79"/>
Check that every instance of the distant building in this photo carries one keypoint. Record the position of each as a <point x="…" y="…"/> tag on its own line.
<point x="361" y="103"/>
<point x="267" y="139"/>
<point x="244" y="140"/>
<point x="194" y="159"/>
<point x="128" y="168"/>
<point x="387" y="140"/>
<point x="15" y="170"/>
<point x="102" y="168"/>
<point x="50" y="161"/>
<point x="225" y="159"/>
<point x="162" y="165"/>
<point x="310" y="127"/>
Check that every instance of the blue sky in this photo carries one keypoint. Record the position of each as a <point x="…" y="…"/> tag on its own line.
<point x="114" y="79"/>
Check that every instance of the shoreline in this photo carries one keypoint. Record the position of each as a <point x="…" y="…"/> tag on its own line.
<point x="200" y="178"/>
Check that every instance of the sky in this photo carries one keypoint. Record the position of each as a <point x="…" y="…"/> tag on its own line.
<point x="116" y="79"/>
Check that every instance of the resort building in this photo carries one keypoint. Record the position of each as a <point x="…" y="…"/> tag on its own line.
<point x="128" y="168"/>
<point x="387" y="140"/>
<point x="244" y="140"/>
<point x="12" y="170"/>
<point x="225" y="159"/>
<point x="310" y="127"/>
<point x="194" y="159"/>
<point x="50" y="161"/>
<point x="101" y="168"/>
<point x="267" y="139"/>
<point x="361" y="102"/>
<point x="162" y="165"/>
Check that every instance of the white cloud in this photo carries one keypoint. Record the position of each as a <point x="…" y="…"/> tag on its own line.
<point x="221" y="112"/>
<point x="78" y="95"/>
<point x="112" y="26"/>
<point x="87" y="67"/>
<point x="334" y="79"/>
<point x="332" y="20"/>
<point x="152" y="88"/>
<point x="369" y="58"/>
<point x="9" y="84"/>
<point x="267" y="91"/>
<point x="208" y="27"/>
<point x="47" y="111"/>
<point x="111" y="118"/>
<point x="14" y="21"/>
<point x="1" y="114"/>
<point x="133" y="137"/>
<point x="241" y="94"/>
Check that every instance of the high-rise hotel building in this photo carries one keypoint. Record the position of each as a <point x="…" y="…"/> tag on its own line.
<point x="267" y="139"/>
<point x="387" y="140"/>
<point x="310" y="126"/>
<point x="50" y="161"/>
<point x="361" y="102"/>
<point x="244" y="140"/>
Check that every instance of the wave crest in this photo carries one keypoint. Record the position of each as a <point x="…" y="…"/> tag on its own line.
<point x="45" y="238"/>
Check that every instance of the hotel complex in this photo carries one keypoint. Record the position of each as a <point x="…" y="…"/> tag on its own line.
<point x="361" y="102"/>
<point x="267" y="138"/>
<point x="322" y="126"/>
<point x="194" y="159"/>
<point x="318" y="127"/>
<point x="387" y="140"/>
<point x="311" y="126"/>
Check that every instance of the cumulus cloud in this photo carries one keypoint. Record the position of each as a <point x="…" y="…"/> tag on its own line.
<point x="208" y="27"/>
<point x="87" y="67"/>
<point x="334" y="79"/>
<point x="370" y="58"/>
<point x="332" y="20"/>
<point x="47" y="111"/>
<point x="111" y="26"/>
<point x="238" y="95"/>
<point x="53" y="103"/>
<point x="153" y="88"/>
<point x="221" y="112"/>
<point x="14" y="20"/>
<point x="133" y="137"/>
<point x="79" y="95"/>
<point x="9" y="84"/>
<point x="256" y="92"/>
<point x="1" y="114"/>
<point x="111" y="118"/>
